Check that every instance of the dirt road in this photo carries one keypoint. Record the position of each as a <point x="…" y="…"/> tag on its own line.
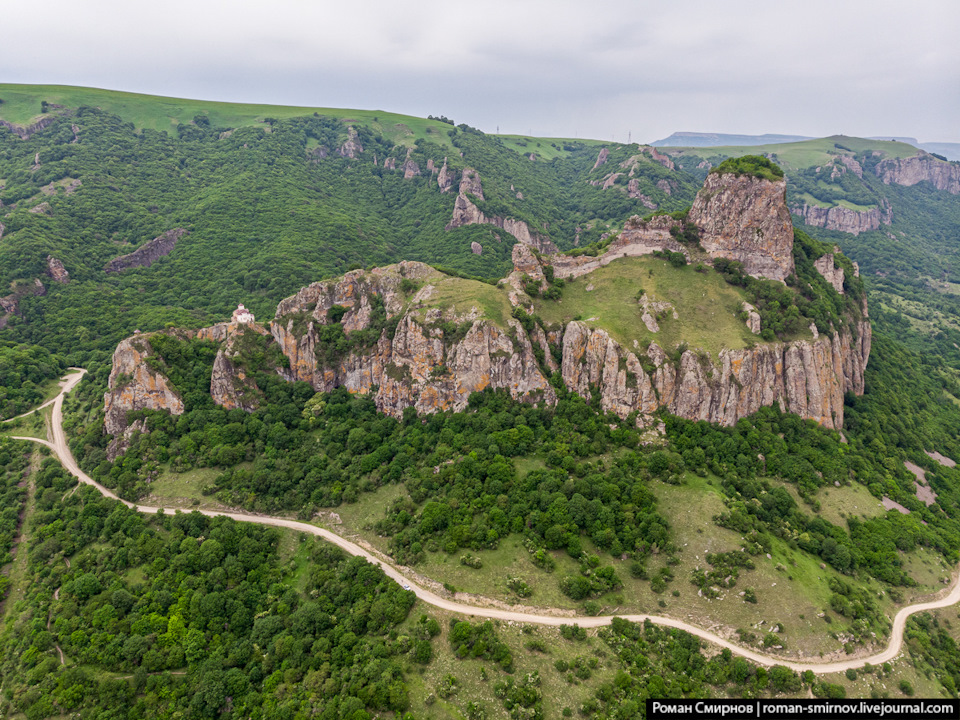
<point x="59" y="446"/>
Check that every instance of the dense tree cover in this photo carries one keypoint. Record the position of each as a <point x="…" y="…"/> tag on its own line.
<point x="932" y="646"/>
<point x="23" y="371"/>
<point x="14" y="466"/>
<point x="666" y="663"/>
<point x="187" y="616"/>
<point x="303" y="451"/>
<point x="753" y="165"/>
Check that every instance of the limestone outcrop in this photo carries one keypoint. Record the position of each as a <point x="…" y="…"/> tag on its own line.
<point x="808" y="378"/>
<point x="465" y="212"/>
<point x="753" y="319"/>
<point x="134" y="385"/>
<point x="922" y="167"/>
<point x="844" y="219"/>
<point x="57" y="272"/>
<point x="431" y="358"/>
<point x="352" y="147"/>
<point x="638" y="237"/>
<point x="421" y="365"/>
<point x="445" y="178"/>
<point x="745" y="218"/>
<point x="147" y="254"/>
<point x="24" y="132"/>
<point x="409" y="335"/>
<point x="831" y="273"/>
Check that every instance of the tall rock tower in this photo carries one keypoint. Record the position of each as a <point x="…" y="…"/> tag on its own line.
<point x="744" y="217"/>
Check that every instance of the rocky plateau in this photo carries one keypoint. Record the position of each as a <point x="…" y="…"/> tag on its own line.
<point x="431" y="354"/>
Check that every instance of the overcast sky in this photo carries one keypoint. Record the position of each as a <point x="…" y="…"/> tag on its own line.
<point x="586" y="68"/>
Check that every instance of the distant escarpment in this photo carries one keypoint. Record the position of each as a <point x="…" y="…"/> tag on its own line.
<point x="417" y="338"/>
<point x="844" y="219"/>
<point x="920" y="168"/>
<point x="148" y="253"/>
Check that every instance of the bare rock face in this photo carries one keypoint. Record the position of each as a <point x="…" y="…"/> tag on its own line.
<point x="852" y="165"/>
<point x="418" y="361"/>
<point x="352" y="147"/>
<point x="745" y="218"/>
<point x="659" y="157"/>
<point x="57" y="271"/>
<point x="133" y="385"/>
<point x="2" y="228"/>
<point x="230" y="385"/>
<point x="24" y="132"/>
<point x="601" y="158"/>
<point x="418" y="367"/>
<point x="638" y="237"/>
<point x="806" y="378"/>
<point x="470" y="183"/>
<point x="526" y="263"/>
<point x="753" y="318"/>
<point x="147" y="254"/>
<point x="476" y="248"/>
<point x="445" y="178"/>
<point x="845" y="219"/>
<point x="390" y="164"/>
<point x="922" y="167"/>
<point x="610" y="181"/>
<point x="410" y="169"/>
<point x="832" y="274"/>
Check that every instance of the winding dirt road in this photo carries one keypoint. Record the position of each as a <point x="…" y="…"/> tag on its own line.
<point x="59" y="446"/>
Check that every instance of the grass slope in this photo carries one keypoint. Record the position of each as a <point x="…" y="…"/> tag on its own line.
<point x="607" y="298"/>
<point x="22" y="106"/>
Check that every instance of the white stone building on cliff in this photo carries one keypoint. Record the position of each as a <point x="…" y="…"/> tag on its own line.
<point x="242" y="315"/>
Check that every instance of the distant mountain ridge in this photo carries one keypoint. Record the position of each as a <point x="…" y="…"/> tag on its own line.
<point x="949" y="150"/>
<point x="705" y="139"/>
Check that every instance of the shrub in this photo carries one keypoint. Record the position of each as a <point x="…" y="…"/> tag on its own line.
<point x="754" y="165"/>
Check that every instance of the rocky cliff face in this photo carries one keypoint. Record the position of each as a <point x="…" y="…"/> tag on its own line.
<point x="831" y="273"/>
<point x="351" y="148"/>
<point x="920" y="168"/>
<point x="745" y="218"/>
<point x="57" y="272"/>
<point x="421" y="365"/>
<point x="134" y="385"/>
<point x="844" y="219"/>
<point x="638" y="237"/>
<point x="148" y="254"/>
<point x="465" y="212"/>
<point x="806" y="378"/>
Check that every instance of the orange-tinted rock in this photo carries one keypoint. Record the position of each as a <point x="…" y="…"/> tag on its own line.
<point x="745" y="218"/>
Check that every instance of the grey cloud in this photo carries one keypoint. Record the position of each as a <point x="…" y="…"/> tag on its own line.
<point x="552" y="68"/>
